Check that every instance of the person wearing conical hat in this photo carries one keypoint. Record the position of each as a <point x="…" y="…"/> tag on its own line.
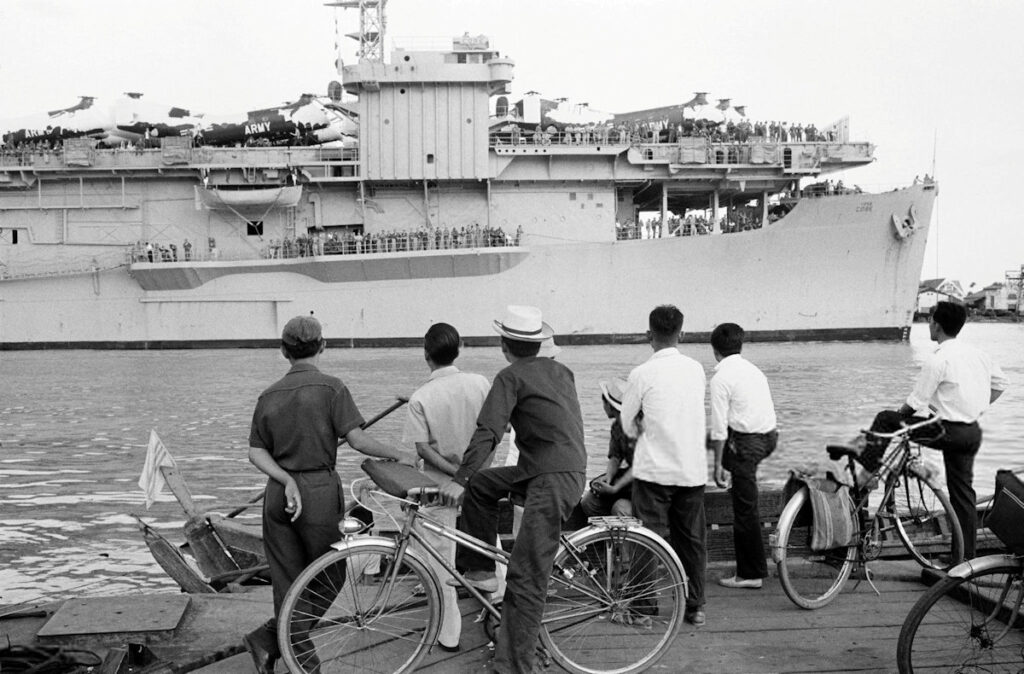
<point x="538" y="397"/>
<point x="610" y="493"/>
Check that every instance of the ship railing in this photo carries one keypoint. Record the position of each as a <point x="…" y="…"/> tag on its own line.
<point x="303" y="247"/>
<point x="67" y="266"/>
<point x="141" y="158"/>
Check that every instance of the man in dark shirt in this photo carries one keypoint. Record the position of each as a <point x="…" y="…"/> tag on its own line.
<point x="538" y="397"/>
<point x="294" y="440"/>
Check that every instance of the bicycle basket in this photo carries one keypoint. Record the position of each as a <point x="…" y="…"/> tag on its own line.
<point x="1006" y="518"/>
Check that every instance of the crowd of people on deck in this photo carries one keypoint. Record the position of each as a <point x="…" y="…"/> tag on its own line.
<point x="633" y="132"/>
<point x="735" y="220"/>
<point x="150" y="251"/>
<point x="355" y="241"/>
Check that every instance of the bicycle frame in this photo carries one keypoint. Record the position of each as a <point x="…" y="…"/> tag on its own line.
<point x="411" y="531"/>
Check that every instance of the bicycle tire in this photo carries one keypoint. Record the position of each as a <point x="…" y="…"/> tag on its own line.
<point x="351" y="610"/>
<point x="810" y="578"/>
<point x="615" y="603"/>
<point x="961" y="624"/>
<point x="924" y="520"/>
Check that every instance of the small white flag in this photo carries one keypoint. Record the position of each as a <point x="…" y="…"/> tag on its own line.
<point x="152" y="480"/>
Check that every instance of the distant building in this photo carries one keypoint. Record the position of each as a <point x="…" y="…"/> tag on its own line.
<point x="994" y="298"/>
<point x="936" y="290"/>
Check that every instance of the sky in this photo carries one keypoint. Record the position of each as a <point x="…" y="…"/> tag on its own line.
<point x="935" y="85"/>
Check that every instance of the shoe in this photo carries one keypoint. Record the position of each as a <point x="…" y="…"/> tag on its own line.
<point x="449" y="649"/>
<point x="737" y="582"/>
<point x="261" y="658"/>
<point x="485" y="581"/>
<point x="695" y="617"/>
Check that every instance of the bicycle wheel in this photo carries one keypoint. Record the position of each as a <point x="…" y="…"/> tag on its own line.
<point x="810" y="578"/>
<point x="967" y="624"/>
<point x="615" y="602"/>
<point x="353" y="610"/>
<point x="924" y="521"/>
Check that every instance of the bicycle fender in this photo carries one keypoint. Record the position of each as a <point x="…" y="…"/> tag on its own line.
<point x="788" y="514"/>
<point x="361" y="541"/>
<point x="982" y="564"/>
<point x="634" y="526"/>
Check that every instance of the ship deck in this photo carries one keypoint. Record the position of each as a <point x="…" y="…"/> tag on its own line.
<point x="746" y="631"/>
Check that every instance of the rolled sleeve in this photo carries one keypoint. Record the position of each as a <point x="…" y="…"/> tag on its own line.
<point x="927" y="384"/>
<point x="719" y="429"/>
<point x="631" y="406"/>
<point x="415" y="428"/>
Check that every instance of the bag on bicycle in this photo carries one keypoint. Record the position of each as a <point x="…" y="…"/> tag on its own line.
<point x="1006" y="518"/>
<point x="831" y="510"/>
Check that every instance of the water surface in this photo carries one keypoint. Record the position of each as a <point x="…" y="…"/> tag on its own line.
<point x="74" y="426"/>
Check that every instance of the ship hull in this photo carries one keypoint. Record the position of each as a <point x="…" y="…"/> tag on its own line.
<point x="835" y="268"/>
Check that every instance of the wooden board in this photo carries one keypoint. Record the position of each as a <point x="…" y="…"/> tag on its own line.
<point x="119" y="618"/>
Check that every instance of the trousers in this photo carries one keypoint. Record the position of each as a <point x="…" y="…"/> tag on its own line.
<point x="959" y="445"/>
<point x="677" y="515"/>
<point x="548" y="500"/>
<point x="743" y="453"/>
<point x="291" y="546"/>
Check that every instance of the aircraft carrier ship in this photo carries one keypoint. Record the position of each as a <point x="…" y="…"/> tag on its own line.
<point x="428" y="197"/>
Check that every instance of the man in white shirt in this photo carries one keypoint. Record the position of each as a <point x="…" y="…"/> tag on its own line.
<point x="742" y="434"/>
<point x="442" y="418"/>
<point x="663" y="407"/>
<point x="957" y="383"/>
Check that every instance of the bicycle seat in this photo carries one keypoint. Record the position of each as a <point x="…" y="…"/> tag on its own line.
<point x="839" y="451"/>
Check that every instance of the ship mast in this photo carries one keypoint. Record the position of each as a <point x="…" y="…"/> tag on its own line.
<point x="372" y="23"/>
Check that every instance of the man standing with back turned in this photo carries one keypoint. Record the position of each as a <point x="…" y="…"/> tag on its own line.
<point x="294" y="440"/>
<point x="441" y="421"/>
<point x="670" y="464"/>
<point x="957" y="383"/>
<point x="742" y="434"/>
<point x="538" y="396"/>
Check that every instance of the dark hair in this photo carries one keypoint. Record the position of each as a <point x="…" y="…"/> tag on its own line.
<point x="442" y="343"/>
<point x="950" y="316"/>
<point x="521" y="349"/>
<point x="665" y="321"/>
<point x="727" y="339"/>
<point x="302" y="349"/>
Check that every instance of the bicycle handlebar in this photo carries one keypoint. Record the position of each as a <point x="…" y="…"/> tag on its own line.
<point x="907" y="428"/>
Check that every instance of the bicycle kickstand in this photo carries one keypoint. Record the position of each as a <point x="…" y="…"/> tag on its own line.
<point x="867" y="577"/>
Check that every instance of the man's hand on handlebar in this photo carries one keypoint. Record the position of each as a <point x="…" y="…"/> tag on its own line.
<point x="452" y="493"/>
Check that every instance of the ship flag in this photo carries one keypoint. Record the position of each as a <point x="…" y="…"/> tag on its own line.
<point x="152" y="481"/>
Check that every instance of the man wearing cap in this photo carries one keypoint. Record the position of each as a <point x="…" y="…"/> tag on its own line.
<point x="670" y="465"/>
<point x="609" y="494"/>
<point x="442" y="418"/>
<point x="294" y="440"/>
<point x="538" y="396"/>
<point x="742" y="434"/>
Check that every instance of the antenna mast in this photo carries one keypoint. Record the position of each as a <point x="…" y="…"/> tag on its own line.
<point x="372" y="23"/>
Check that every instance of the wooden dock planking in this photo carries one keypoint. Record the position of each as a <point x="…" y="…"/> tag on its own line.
<point x="757" y="631"/>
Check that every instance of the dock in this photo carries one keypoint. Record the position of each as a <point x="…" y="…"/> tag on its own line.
<point x="746" y="630"/>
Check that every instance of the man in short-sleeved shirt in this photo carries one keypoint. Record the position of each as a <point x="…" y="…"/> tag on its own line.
<point x="742" y="434"/>
<point x="670" y="466"/>
<point x="294" y="437"/>
<point x="957" y="383"/>
<point x="441" y="420"/>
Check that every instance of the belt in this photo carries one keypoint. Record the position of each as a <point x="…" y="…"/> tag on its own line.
<point x="960" y="423"/>
<point x="311" y="470"/>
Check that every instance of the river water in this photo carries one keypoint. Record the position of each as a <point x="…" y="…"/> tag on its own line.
<point x="74" y="427"/>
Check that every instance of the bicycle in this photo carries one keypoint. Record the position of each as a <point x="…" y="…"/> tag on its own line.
<point x="615" y="601"/>
<point x="970" y="620"/>
<point x="911" y="505"/>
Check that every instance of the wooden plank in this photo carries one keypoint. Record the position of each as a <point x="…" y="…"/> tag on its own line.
<point x="176" y="483"/>
<point x="172" y="562"/>
<point x="117" y="617"/>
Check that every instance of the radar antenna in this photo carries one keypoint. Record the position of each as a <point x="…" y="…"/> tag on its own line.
<point x="371" y="29"/>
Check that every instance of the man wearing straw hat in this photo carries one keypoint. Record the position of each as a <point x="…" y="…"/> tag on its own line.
<point x="538" y="396"/>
